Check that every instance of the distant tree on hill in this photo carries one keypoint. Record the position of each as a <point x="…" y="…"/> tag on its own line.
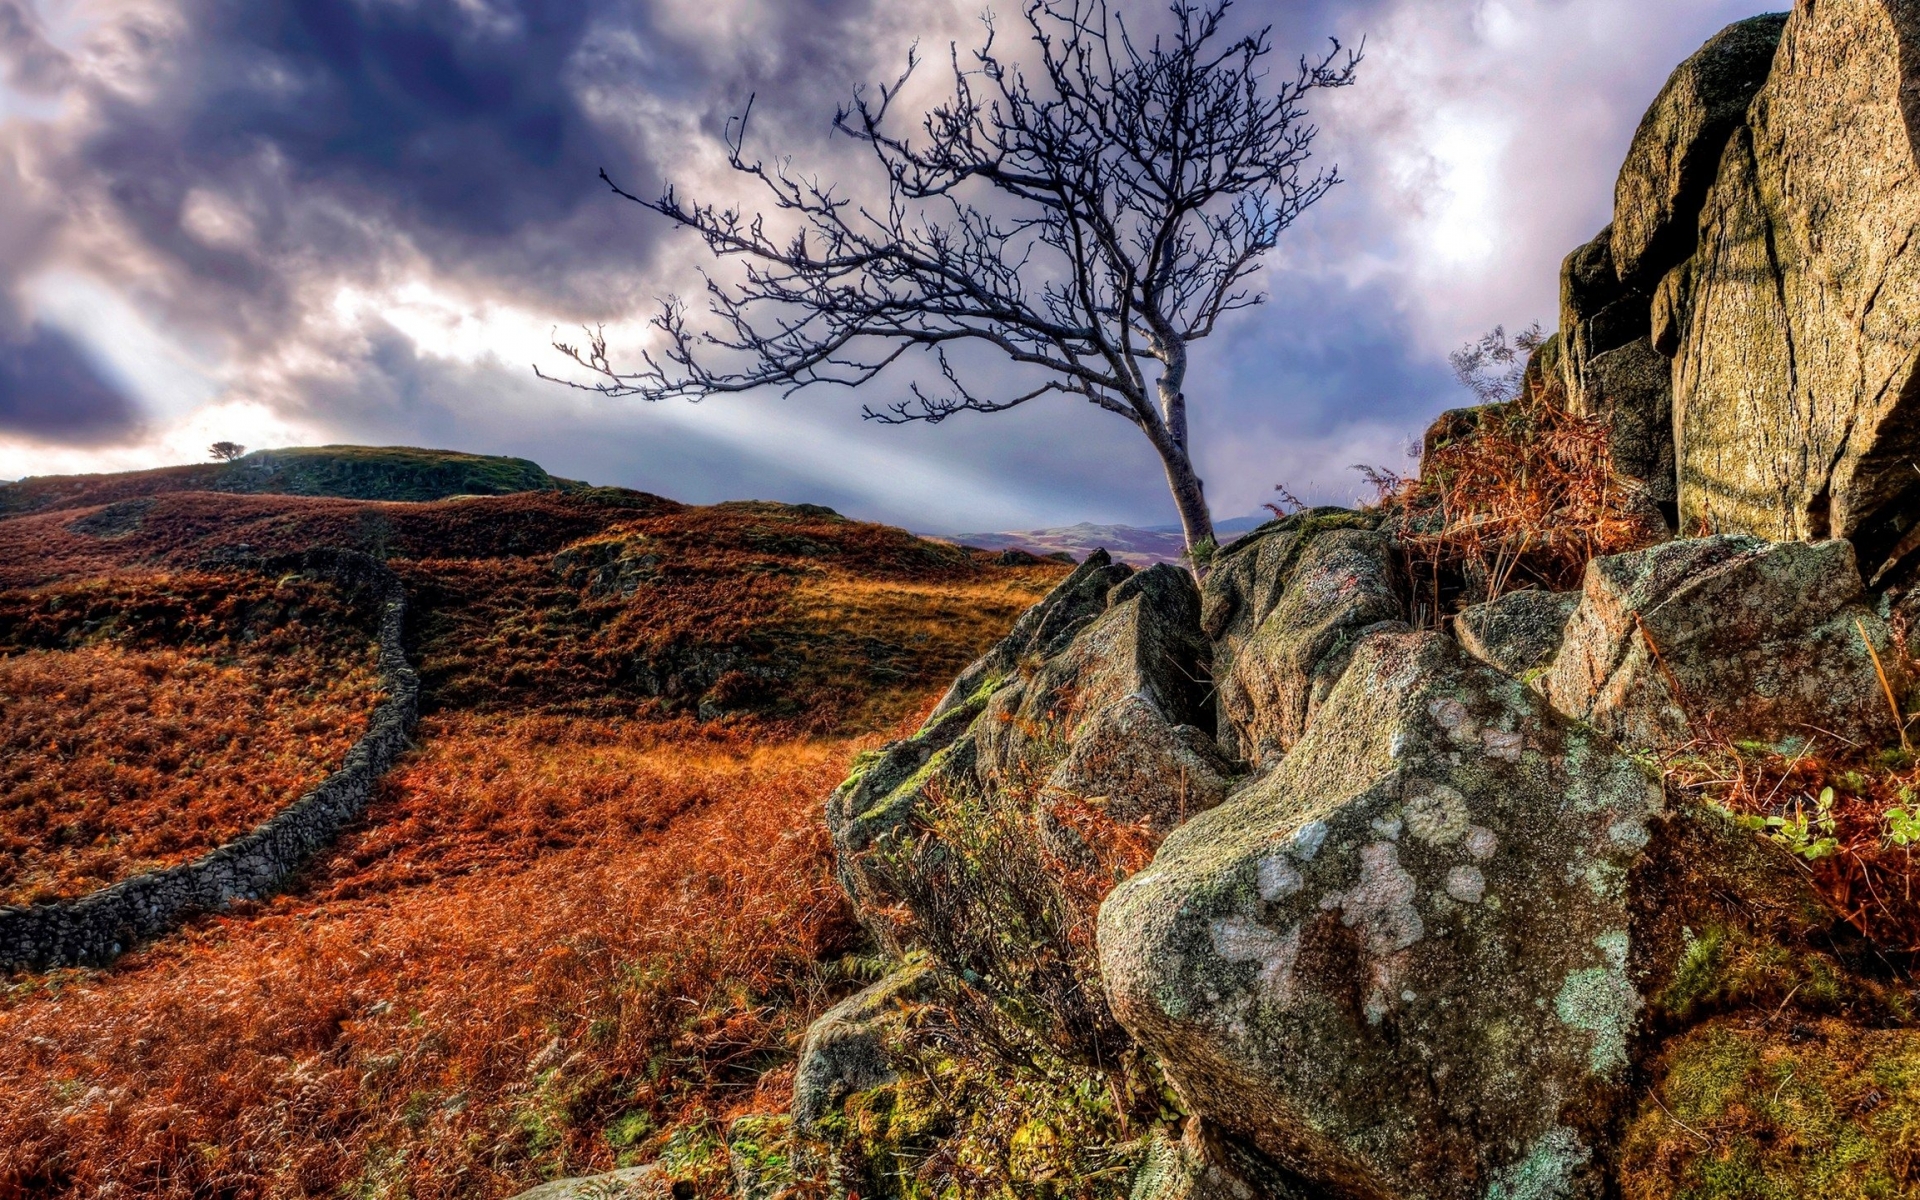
<point x="226" y="451"/>
<point x="1085" y="216"/>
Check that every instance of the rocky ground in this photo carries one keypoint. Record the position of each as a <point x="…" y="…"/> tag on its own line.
<point x="1539" y="833"/>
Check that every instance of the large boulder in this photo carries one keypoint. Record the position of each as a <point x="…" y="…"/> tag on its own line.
<point x="1730" y="637"/>
<point x="1676" y="151"/>
<point x="989" y="837"/>
<point x="1285" y="631"/>
<point x="1413" y="960"/>
<point x="1795" y="397"/>
<point x="1043" y="630"/>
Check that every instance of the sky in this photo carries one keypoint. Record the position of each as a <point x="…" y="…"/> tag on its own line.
<point x="294" y="222"/>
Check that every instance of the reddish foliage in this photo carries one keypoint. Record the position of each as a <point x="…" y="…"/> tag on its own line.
<point x="543" y="926"/>
<point x="152" y="717"/>
<point x="179" y="529"/>
<point x="1867" y="872"/>
<point x="1526" y="495"/>
<point x="120" y="761"/>
<point x="575" y="914"/>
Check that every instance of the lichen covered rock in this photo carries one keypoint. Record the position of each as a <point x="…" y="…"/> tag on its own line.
<point x="1285" y="622"/>
<point x="1518" y="632"/>
<point x="1413" y="960"/>
<point x="845" y="1048"/>
<point x="1396" y="961"/>
<point x="1725" y="636"/>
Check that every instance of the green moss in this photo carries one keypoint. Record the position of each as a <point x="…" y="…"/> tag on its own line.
<point x="960" y="1125"/>
<point x="1723" y="968"/>
<point x="1823" y="1111"/>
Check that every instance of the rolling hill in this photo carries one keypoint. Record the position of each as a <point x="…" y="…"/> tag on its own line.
<point x="582" y="921"/>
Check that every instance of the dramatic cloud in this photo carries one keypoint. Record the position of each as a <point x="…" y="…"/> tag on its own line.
<point x="290" y="220"/>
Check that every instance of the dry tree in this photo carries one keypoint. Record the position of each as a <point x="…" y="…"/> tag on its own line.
<point x="1084" y="215"/>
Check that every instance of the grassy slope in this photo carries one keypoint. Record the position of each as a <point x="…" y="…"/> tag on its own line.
<point x="348" y="472"/>
<point x="145" y="723"/>
<point x="577" y="920"/>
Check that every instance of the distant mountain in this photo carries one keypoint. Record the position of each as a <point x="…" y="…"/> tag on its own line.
<point x="1140" y="546"/>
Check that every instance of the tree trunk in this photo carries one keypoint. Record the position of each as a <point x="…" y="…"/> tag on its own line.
<point x="1189" y="496"/>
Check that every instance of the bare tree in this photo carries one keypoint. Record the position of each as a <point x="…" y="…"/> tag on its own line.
<point x="1086" y="219"/>
<point x="226" y="451"/>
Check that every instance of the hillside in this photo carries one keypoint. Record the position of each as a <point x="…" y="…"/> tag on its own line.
<point x="1131" y="544"/>
<point x="587" y="915"/>
<point x="348" y="472"/>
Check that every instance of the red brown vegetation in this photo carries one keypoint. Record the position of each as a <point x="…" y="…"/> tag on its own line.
<point x="119" y="761"/>
<point x="578" y="919"/>
<point x="180" y="529"/>
<point x="545" y="929"/>
<point x="147" y="719"/>
<point x="1850" y="814"/>
<point x="1523" y="493"/>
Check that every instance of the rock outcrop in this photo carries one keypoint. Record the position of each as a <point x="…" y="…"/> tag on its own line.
<point x="1618" y="308"/>
<point x="1794" y="401"/>
<point x="1414" y="937"/>
<point x="1676" y="151"/>
<point x="1049" y="771"/>
<point x="1728" y="637"/>
<point x="1285" y="609"/>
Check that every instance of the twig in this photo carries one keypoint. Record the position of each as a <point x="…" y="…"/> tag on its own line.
<point x="1885" y="687"/>
<point x="1704" y="1139"/>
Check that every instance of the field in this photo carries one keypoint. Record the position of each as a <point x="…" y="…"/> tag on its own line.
<point x="583" y="923"/>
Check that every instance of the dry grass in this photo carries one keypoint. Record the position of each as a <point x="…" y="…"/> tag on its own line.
<point x="117" y="761"/>
<point x="1528" y="496"/>
<point x="576" y="921"/>
<point x="550" y="941"/>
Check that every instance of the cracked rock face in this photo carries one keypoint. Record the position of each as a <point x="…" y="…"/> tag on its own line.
<point x="1729" y="636"/>
<point x="1794" y="383"/>
<point x="1309" y="600"/>
<point x="1675" y="151"/>
<point x="1400" y="962"/>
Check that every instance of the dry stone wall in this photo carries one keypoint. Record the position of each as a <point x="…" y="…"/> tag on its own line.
<point x="93" y="929"/>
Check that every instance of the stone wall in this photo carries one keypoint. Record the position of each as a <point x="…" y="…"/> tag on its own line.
<point x="93" y="929"/>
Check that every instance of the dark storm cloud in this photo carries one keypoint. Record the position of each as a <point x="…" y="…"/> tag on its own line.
<point x="461" y="127"/>
<point x="271" y="183"/>
<point x="50" y="392"/>
<point x="27" y="60"/>
<point x="331" y="124"/>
